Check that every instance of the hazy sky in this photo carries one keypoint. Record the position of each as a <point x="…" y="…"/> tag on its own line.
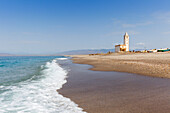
<point x="50" y="26"/>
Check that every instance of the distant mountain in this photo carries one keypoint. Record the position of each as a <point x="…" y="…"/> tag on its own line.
<point x="85" y="51"/>
<point x="5" y="54"/>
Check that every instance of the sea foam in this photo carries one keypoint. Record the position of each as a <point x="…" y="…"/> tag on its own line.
<point x="39" y="96"/>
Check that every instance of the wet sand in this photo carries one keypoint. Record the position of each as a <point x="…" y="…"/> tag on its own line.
<point x="116" y="92"/>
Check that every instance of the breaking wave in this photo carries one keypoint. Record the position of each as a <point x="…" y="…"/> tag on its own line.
<point x="39" y="95"/>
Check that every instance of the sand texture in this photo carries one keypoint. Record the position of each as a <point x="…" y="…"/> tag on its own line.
<point x="151" y="64"/>
<point x="116" y="92"/>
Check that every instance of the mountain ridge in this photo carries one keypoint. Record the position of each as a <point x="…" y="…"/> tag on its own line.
<point x="85" y="51"/>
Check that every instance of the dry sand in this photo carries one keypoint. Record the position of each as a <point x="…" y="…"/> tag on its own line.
<point x="151" y="64"/>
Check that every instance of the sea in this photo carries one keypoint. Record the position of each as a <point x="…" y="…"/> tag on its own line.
<point x="30" y="84"/>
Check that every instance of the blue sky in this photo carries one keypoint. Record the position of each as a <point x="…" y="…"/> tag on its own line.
<point x="51" y="26"/>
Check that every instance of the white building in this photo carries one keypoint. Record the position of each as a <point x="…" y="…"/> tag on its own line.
<point x="125" y="46"/>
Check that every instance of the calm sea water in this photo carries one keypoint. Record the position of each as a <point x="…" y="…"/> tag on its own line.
<point x="29" y="84"/>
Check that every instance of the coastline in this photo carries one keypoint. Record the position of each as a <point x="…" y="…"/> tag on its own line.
<point x="149" y="64"/>
<point x="115" y="92"/>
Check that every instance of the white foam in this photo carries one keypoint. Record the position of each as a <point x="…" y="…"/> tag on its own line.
<point x="39" y="96"/>
<point x="61" y="58"/>
<point x="1" y="86"/>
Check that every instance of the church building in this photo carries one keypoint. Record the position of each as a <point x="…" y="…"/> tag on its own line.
<point x="125" y="46"/>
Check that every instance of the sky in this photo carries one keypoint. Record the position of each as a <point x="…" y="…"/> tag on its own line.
<point x="51" y="26"/>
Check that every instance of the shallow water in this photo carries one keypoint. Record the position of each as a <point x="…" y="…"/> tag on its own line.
<point x="29" y="84"/>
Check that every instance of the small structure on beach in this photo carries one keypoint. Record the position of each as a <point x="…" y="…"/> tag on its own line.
<point x="152" y="51"/>
<point x="125" y="46"/>
<point x="164" y="50"/>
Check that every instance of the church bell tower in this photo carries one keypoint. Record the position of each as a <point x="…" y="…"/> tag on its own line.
<point x="126" y="41"/>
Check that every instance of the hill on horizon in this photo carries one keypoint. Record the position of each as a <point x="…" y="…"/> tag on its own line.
<point x="85" y="51"/>
<point x="5" y="54"/>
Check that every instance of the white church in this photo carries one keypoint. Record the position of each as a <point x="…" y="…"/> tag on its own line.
<point x="125" y="46"/>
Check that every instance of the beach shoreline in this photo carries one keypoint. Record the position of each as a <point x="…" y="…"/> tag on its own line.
<point x="149" y="64"/>
<point x="115" y="92"/>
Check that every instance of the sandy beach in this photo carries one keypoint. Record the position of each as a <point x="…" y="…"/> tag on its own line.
<point x="116" y="92"/>
<point x="106" y="90"/>
<point x="150" y="64"/>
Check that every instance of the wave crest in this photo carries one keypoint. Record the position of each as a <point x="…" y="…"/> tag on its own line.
<point x="39" y="96"/>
